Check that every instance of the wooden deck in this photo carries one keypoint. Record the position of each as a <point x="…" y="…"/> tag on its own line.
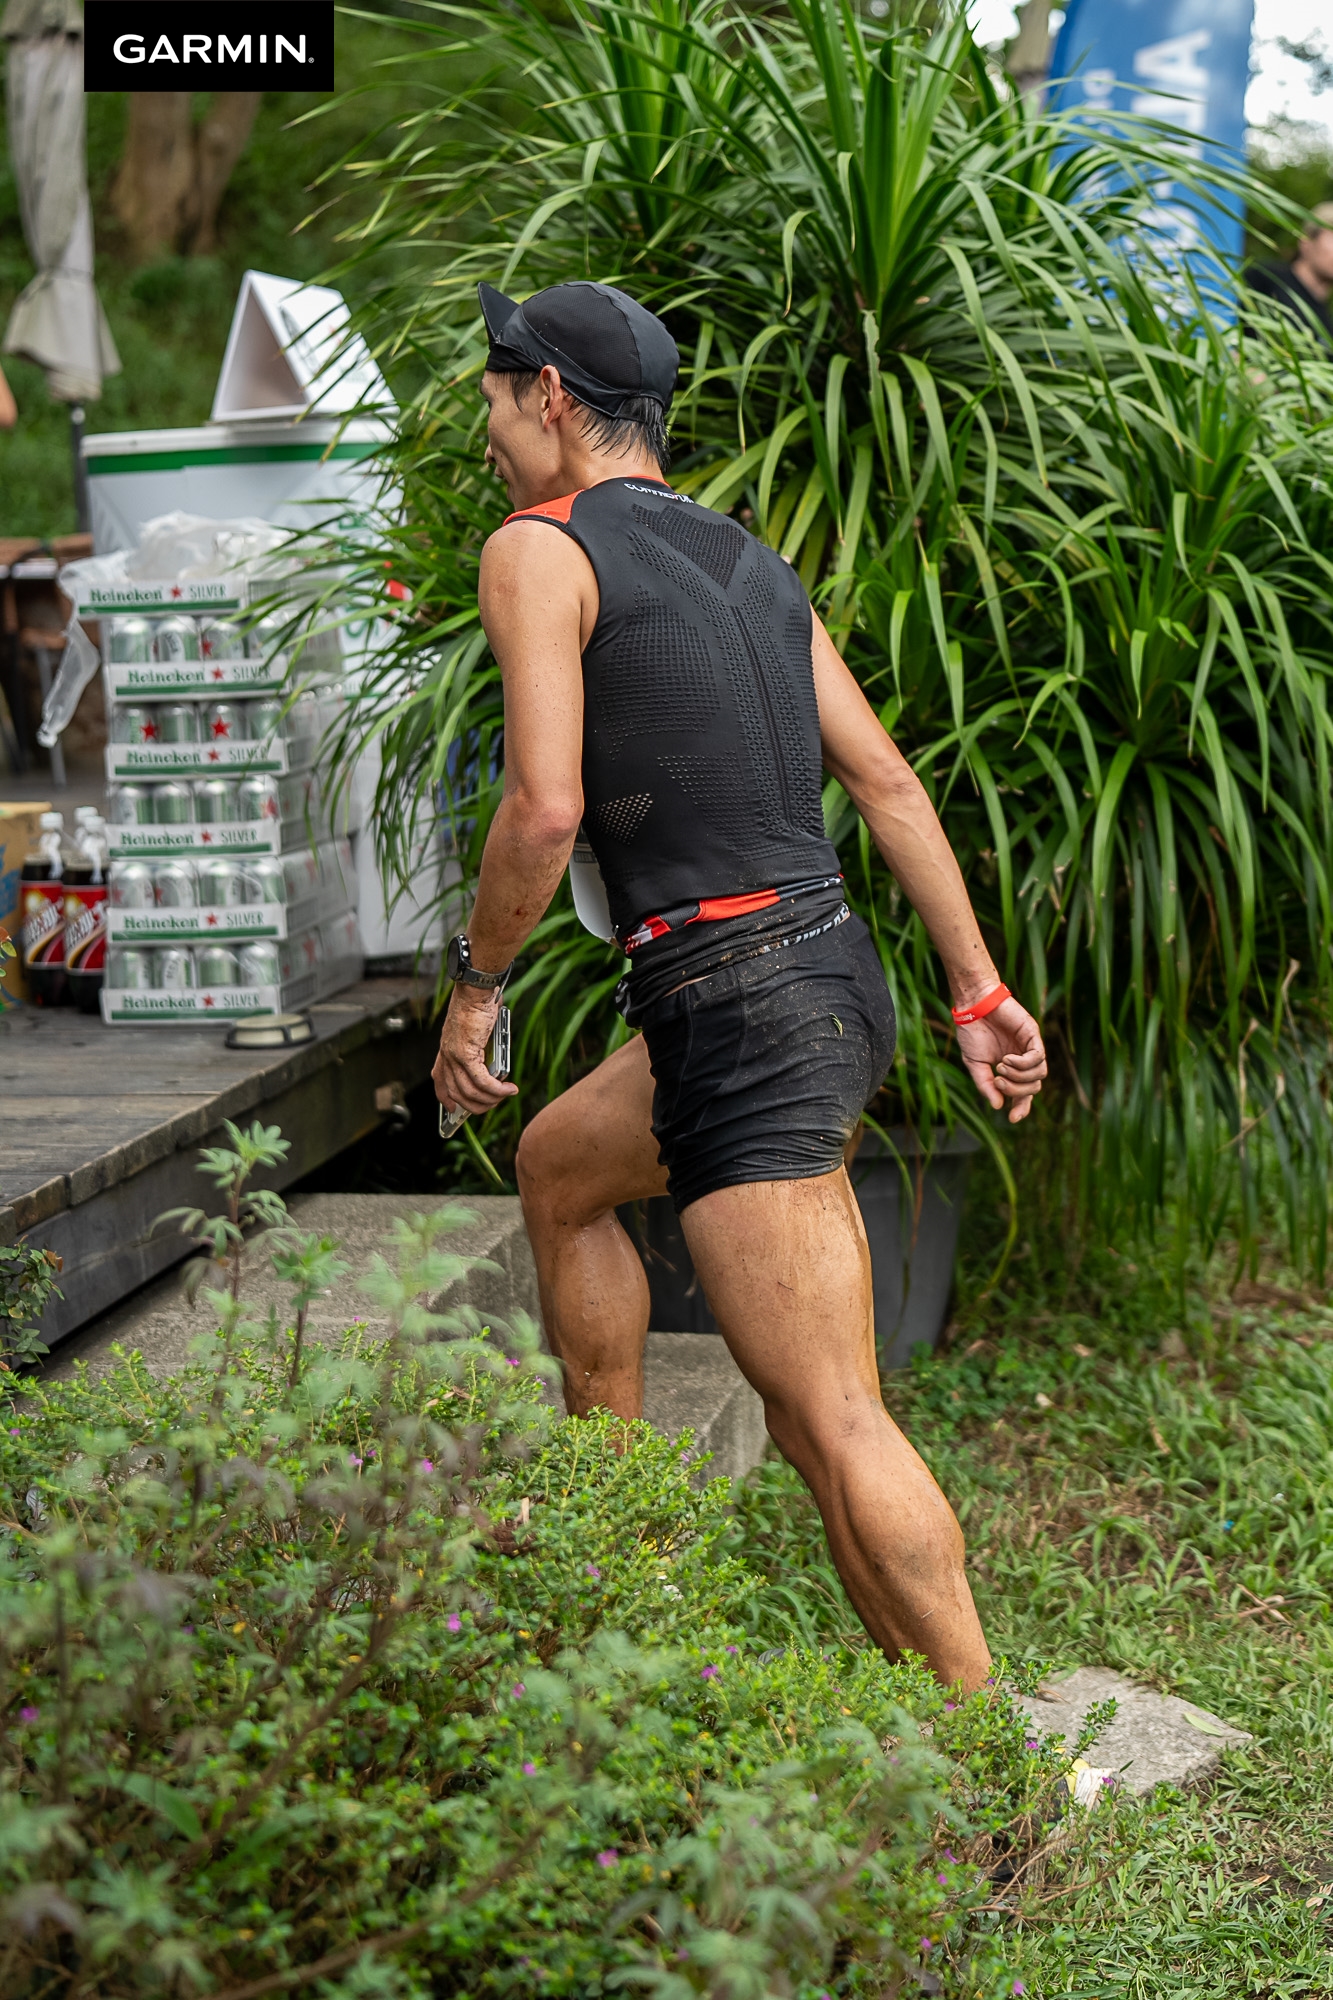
<point x="99" y="1127"/>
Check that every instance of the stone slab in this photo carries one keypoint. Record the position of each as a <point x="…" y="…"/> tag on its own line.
<point x="1155" y="1739"/>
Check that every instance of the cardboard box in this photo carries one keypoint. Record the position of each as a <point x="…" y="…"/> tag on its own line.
<point x="19" y="826"/>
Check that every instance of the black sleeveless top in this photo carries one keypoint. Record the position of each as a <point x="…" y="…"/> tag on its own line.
<point x="701" y="757"/>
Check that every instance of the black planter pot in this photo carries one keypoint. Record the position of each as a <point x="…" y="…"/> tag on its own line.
<point x="911" y="1221"/>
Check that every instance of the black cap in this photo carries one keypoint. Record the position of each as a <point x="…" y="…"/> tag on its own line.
<point x="606" y="346"/>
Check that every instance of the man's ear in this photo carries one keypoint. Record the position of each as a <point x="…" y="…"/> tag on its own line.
<point x="553" y="395"/>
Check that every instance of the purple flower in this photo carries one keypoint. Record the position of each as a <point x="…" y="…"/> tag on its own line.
<point x="944" y="1879"/>
<point x="949" y="1707"/>
<point x="949" y="1855"/>
<point x="29" y="1714"/>
<point x="513" y="1363"/>
<point x="711" y="1673"/>
<point x="354" y="1460"/>
<point x="519" y="1688"/>
<point x="1030" y="1743"/>
<point x="529" y="1770"/>
<point x="607" y="1858"/>
<point x="1018" y="1987"/>
<point x="927" y="1944"/>
<point x="731" y="1649"/>
<point x="426" y="1465"/>
<point x="454" y="1622"/>
<point x="592" y="1571"/>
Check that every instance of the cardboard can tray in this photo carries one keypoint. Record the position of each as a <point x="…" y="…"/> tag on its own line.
<point x="234" y="926"/>
<point x="129" y="1007"/>
<point x="195" y="680"/>
<point x="304" y="820"/>
<point x="192" y="597"/>
<point x="275" y="756"/>
<point x="162" y="843"/>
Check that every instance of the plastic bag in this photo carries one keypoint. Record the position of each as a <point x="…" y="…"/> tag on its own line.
<point x="78" y="663"/>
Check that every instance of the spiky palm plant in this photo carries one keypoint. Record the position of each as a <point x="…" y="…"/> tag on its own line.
<point x="1066" y="515"/>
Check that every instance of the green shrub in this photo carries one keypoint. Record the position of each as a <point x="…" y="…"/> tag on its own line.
<point x="364" y="1672"/>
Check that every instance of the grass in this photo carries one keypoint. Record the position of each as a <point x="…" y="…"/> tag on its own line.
<point x="1145" y="1478"/>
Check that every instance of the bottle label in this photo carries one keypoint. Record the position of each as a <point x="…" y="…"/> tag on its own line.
<point x="42" y="940"/>
<point x="85" y="927"/>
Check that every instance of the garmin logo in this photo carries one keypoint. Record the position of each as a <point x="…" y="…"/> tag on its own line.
<point x="227" y="45"/>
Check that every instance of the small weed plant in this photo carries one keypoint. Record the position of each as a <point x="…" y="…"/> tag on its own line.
<point x="27" y="1282"/>
<point x="343" y="1668"/>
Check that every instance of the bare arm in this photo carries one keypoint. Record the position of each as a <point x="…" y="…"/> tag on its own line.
<point x="1003" y="1053"/>
<point x="534" y="604"/>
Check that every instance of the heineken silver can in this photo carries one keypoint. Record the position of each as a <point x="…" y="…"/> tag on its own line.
<point x="174" y="969"/>
<point x="173" y="804"/>
<point x="260" y="965"/>
<point x="214" y="801"/>
<point x="177" y="886"/>
<point x="257" y="798"/>
<point x="222" y="883"/>
<point x="302" y="718"/>
<point x="128" y="966"/>
<point x="131" y="805"/>
<point x="218" y="965"/>
<point x="130" y="885"/>
<point x="268" y="876"/>
<point x="178" y="722"/>
<point x="301" y="873"/>
<point x="130" y="642"/>
<point x="224" y="722"/>
<point x="269" y="637"/>
<point x="175" y="641"/>
<point x="266" y="718"/>
<point x="221" y="639"/>
<point x="133" y="722"/>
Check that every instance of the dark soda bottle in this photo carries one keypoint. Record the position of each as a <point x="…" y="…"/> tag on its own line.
<point x="42" y="895"/>
<point x="85" y="911"/>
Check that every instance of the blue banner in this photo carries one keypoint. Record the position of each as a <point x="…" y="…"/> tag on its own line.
<point x="1186" y="62"/>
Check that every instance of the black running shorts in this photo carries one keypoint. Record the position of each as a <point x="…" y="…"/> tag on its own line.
<point x="764" y="1067"/>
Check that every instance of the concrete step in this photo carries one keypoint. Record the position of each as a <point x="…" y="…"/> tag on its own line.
<point x="160" y="1320"/>
<point x="692" y="1383"/>
<point x="691" y="1380"/>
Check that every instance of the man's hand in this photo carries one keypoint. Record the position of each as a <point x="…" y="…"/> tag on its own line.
<point x="461" y="1078"/>
<point x="1005" y="1057"/>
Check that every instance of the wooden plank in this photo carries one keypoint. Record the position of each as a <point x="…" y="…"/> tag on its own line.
<point x="95" y="1149"/>
<point x="89" y="1102"/>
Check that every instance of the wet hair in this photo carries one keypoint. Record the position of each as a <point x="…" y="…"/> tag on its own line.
<point x="641" y="425"/>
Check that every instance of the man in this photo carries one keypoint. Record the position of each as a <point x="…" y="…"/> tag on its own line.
<point x="668" y="688"/>
<point x="1305" y="286"/>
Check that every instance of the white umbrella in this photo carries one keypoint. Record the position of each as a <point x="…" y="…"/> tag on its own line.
<point x="57" y="320"/>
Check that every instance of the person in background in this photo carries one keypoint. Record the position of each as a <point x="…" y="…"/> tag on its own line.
<point x="9" y="409"/>
<point x="1305" y="285"/>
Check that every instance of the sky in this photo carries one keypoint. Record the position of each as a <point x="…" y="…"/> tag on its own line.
<point x="1279" y="86"/>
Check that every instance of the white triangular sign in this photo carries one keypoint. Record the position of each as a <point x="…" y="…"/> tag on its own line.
<point x="289" y="355"/>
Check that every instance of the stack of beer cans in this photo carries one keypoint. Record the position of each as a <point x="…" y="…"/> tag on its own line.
<point x="231" y="883"/>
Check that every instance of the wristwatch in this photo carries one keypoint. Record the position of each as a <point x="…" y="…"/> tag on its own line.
<point x="458" y="964"/>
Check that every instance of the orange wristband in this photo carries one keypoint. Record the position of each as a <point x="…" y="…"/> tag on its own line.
<point x="980" y="1008"/>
